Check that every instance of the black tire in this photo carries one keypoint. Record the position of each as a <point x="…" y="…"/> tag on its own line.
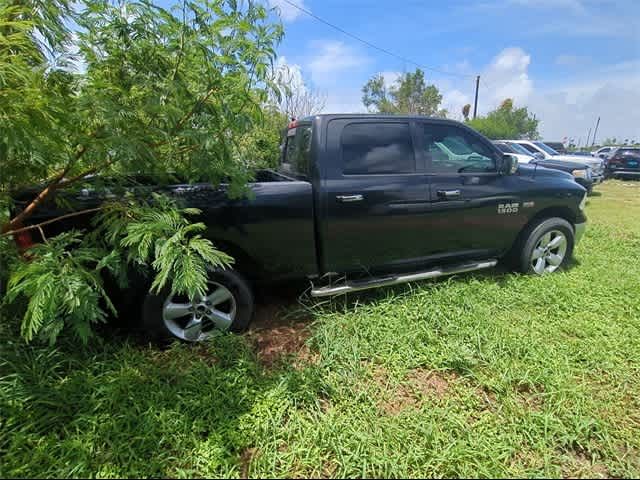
<point x="154" y="327"/>
<point x="531" y="237"/>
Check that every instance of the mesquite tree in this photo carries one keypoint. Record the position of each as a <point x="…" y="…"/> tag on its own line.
<point x="104" y="88"/>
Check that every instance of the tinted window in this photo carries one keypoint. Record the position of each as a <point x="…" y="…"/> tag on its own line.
<point x="503" y="147"/>
<point x="374" y="148"/>
<point x="296" y="151"/>
<point x="517" y="148"/>
<point x="451" y="149"/>
<point x="529" y="148"/>
<point x="546" y="148"/>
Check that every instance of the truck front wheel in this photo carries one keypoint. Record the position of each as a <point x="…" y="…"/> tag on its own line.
<point x="226" y="306"/>
<point x="546" y="246"/>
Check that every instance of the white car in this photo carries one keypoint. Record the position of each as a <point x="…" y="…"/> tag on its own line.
<point x="548" y="153"/>
<point x="603" y="152"/>
<point x="517" y="151"/>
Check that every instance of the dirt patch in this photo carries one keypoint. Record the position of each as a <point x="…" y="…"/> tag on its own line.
<point x="418" y="384"/>
<point x="581" y="464"/>
<point x="245" y="461"/>
<point x="275" y="343"/>
<point x="432" y="383"/>
<point x="279" y="332"/>
<point x="530" y="396"/>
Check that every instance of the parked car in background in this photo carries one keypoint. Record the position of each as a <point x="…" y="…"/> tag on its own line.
<point x="520" y="149"/>
<point x="548" y="153"/>
<point x="581" y="173"/>
<point x="558" y="147"/>
<point x="603" y="152"/>
<point x="624" y="162"/>
<point x="517" y="151"/>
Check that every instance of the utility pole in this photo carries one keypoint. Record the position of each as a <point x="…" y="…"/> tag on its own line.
<point x="593" y="141"/>
<point x="588" y="137"/>
<point x="475" y="105"/>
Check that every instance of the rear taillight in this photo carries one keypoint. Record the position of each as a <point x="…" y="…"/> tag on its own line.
<point x="24" y="240"/>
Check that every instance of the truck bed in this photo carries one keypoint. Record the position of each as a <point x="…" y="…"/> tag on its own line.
<point x="270" y="231"/>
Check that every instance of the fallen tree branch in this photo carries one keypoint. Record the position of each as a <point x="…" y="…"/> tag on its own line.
<point x="48" y="190"/>
<point x="53" y="220"/>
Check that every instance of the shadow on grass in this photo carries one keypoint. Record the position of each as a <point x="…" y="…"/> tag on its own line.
<point x="135" y="410"/>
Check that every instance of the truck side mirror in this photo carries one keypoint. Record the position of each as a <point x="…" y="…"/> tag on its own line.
<point x="508" y="165"/>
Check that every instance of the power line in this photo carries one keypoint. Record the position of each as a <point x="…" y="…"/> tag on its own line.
<point x="371" y="45"/>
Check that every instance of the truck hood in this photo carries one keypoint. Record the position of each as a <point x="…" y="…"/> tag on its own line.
<point x="591" y="161"/>
<point x="561" y="164"/>
<point x="533" y="170"/>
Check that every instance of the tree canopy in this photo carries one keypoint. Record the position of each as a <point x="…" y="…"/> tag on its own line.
<point x="507" y="122"/>
<point x="409" y="94"/>
<point x="110" y="88"/>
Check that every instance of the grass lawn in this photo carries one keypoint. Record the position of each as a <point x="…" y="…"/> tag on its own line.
<point x="489" y="374"/>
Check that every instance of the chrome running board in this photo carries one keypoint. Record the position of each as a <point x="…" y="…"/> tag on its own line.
<point x="358" y="285"/>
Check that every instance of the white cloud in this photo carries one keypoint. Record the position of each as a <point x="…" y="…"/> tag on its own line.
<point x="345" y="101"/>
<point x="453" y="101"/>
<point x="287" y="12"/>
<point x="390" y="78"/>
<point x="571" y="109"/>
<point x="334" y="58"/>
<point x="507" y="77"/>
<point x="289" y="74"/>
<point x="566" y="109"/>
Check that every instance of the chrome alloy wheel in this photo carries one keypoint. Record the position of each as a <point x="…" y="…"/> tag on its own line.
<point x="549" y="252"/>
<point x="195" y="321"/>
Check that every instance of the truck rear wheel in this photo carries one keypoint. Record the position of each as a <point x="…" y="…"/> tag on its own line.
<point x="546" y="246"/>
<point x="226" y="306"/>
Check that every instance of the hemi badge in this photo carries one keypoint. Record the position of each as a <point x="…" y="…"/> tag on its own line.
<point x="528" y="204"/>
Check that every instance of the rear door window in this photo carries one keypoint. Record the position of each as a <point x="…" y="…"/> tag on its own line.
<point x="377" y="148"/>
<point x="295" y="159"/>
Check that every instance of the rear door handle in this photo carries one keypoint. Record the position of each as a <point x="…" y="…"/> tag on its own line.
<point x="449" y="194"/>
<point x="349" y="198"/>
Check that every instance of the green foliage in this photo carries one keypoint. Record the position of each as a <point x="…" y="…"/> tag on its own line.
<point x="134" y="88"/>
<point x="62" y="282"/>
<point x="409" y="95"/>
<point x="62" y="278"/>
<point x="159" y="234"/>
<point x="507" y="122"/>
<point x="260" y="147"/>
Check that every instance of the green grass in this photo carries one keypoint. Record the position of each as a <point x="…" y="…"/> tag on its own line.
<point x="492" y="374"/>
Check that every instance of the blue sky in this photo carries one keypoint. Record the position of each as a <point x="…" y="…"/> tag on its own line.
<point x="567" y="60"/>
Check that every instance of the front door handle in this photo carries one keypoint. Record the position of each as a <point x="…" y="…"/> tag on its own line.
<point x="449" y="194"/>
<point x="349" y="198"/>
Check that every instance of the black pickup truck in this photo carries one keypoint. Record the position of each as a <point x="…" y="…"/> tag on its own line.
<point x="361" y="201"/>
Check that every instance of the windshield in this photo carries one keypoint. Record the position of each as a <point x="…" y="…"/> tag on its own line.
<point x="519" y="149"/>
<point x="504" y="148"/>
<point x="546" y="148"/>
